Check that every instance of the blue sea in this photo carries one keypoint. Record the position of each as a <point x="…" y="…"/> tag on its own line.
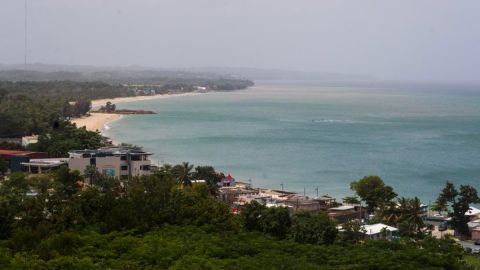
<point x="305" y="135"/>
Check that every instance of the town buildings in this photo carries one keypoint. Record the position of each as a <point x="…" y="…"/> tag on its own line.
<point x="118" y="162"/>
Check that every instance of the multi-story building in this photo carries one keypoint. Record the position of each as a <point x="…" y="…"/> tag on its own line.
<point x="118" y="162"/>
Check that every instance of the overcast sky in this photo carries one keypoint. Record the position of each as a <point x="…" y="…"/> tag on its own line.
<point x="400" y="40"/>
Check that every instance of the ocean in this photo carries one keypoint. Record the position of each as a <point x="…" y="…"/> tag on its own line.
<point x="306" y="136"/>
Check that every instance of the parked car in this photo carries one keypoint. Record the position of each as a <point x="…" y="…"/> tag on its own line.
<point x="477" y="243"/>
<point x="442" y="226"/>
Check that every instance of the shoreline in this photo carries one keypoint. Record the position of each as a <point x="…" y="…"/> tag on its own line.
<point x="121" y="100"/>
<point x="98" y="121"/>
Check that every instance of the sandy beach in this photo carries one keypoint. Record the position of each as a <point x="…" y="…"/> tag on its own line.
<point x="97" y="121"/>
<point x="100" y="102"/>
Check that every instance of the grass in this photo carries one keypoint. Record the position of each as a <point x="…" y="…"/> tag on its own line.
<point x="473" y="261"/>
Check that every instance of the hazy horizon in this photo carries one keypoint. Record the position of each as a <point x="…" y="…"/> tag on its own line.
<point x="434" y="40"/>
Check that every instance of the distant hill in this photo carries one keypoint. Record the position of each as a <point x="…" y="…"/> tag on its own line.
<point x="278" y="74"/>
<point x="40" y="71"/>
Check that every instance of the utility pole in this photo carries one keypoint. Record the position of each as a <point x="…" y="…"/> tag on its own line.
<point x="25" y="43"/>
<point x="281" y="185"/>
<point x="316" y="189"/>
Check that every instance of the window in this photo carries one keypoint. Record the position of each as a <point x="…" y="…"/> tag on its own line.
<point x="123" y="157"/>
<point x="145" y="167"/>
<point x="124" y="168"/>
<point x="93" y="161"/>
<point x="135" y="158"/>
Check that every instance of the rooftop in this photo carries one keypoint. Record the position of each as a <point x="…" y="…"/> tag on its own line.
<point x="16" y="152"/>
<point x="377" y="228"/>
<point x="342" y="208"/>
<point x="472" y="211"/>
<point x="46" y="162"/>
<point x="110" y="151"/>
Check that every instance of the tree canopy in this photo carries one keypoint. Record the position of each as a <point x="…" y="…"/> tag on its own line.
<point x="373" y="191"/>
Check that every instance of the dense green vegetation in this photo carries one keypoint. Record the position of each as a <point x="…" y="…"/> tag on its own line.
<point x="66" y="137"/>
<point x="163" y="222"/>
<point x="39" y="107"/>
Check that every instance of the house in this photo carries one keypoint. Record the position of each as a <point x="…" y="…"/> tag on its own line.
<point x="347" y="213"/>
<point x="227" y="181"/>
<point x="118" y="162"/>
<point x="379" y="231"/>
<point x="14" y="158"/>
<point x="475" y="232"/>
<point x="326" y="201"/>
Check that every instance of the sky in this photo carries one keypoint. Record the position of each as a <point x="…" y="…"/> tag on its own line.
<point x="418" y="40"/>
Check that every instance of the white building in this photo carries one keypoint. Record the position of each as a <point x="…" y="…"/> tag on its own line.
<point x="379" y="231"/>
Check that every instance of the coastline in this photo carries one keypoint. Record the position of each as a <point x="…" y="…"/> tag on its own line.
<point x="98" y="121"/>
<point x="119" y="100"/>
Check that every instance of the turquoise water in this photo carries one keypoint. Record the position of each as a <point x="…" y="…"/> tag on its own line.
<point x="308" y="136"/>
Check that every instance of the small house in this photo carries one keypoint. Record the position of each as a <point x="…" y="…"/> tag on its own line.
<point x="379" y="231"/>
<point x="227" y="181"/>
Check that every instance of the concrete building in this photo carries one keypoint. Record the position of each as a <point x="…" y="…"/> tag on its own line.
<point x="118" y="162"/>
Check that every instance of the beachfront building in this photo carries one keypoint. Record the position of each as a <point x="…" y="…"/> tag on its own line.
<point x="379" y="231"/>
<point x="118" y="162"/>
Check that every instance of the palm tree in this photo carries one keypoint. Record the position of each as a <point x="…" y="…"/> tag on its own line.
<point x="166" y="169"/>
<point x="413" y="215"/>
<point x="183" y="173"/>
<point x="389" y="213"/>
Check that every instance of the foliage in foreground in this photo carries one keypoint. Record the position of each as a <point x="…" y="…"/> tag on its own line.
<point x="188" y="247"/>
<point x="160" y="222"/>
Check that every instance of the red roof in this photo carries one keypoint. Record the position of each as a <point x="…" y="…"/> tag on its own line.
<point x="16" y="152"/>
<point x="229" y="178"/>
